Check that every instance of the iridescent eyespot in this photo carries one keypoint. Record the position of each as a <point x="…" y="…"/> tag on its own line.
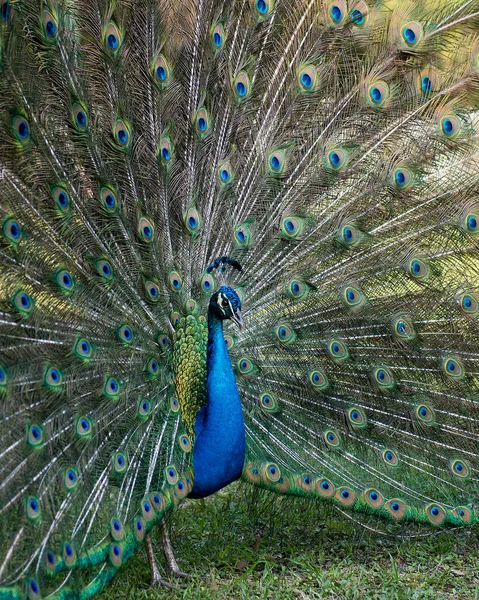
<point x="337" y="12"/>
<point x="53" y="378"/>
<point x="3" y="378"/>
<point x="378" y="93"/>
<point x="152" y="367"/>
<point x="356" y="417"/>
<point x="161" y="71"/>
<point x="139" y="527"/>
<point x="83" y="349"/>
<point x="112" y="38"/>
<point x="331" y="438"/>
<point x="285" y="333"/>
<point x="469" y="304"/>
<point x="264" y="8"/>
<point x="272" y="472"/>
<point x="146" y="230"/>
<point x="158" y="501"/>
<point x="83" y="427"/>
<point x="49" y="25"/>
<point x="122" y="134"/>
<point x="35" y="436"/>
<point x="318" y="380"/>
<point x="70" y="478"/>
<point x="164" y="341"/>
<point x="412" y="33"/>
<point x="144" y="409"/>
<point x="403" y="328"/>
<point x="390" y="458"/>
<point x="165" y="150"/>
<point x="218" y="36"/>
<point x="453" y="368"/>
<point x="383" y="377"/>
<point x="403" y="178"/>
<point x="174" y="405"/>
<point x="308" y="78"/>
<point x="120" y="463"/>
<point x="338" y="350"/>
<point x="115" y="555"/>
<point x="349" y="235"/>
<point x="353" y="297"/>
<point x="117" y="530"/>
<point x="208" y="283"/>
<point x="193" y="221"/>
<point x="242" y="86"/>
<point x="152" y="290"/>
<point x="246" y="366"/>
<point x="175" y="281"/>
<point x="268" y="403"/>
<point x="291" y="227"/>
<point x="425" y="414"/>
<point x="345" y="496"/>
<point x="12" y="231"/>
<point x="171" y="475"/>
<point x="276" y="162"/>
<point x="297" y="289"/>
<point x="184" y="442"/>
<point x="471" y="222"/>
<point x="61" y="198"/>
<point x="65" y="281"/>
<point x="21" y="129"/>
<point x="125" y="334"/>
<point x="325" y="488"/>
<point x="104" y="269"/>
<point x="23" y="303"/>
<point x="463" y="513"/>
<point x="50" y="562"/>
<point x="337" y="159"/>
<point x="359" y="14"/>
<point x="450" y="126"/>
<point x="32" y="508"/>
<point x="435" y="513"/>
<point x="80" y="117"/>
<point x="109" y="200"/>
<point x="147" y="510"/>
<point x="111" y="389"/>
<point x="396" y="508"/>
<point x="418" y="268"/>
<point x="5" y="11"/>
<point x="202" y="122"/>
<point x="373" y="498"/>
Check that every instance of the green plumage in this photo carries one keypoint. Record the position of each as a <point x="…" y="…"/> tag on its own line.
<point x="330" y="148"/>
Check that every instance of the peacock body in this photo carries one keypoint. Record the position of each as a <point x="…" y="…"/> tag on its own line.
<point x="164" y="166"/>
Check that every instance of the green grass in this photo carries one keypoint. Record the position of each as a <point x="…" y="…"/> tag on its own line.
<point x="245" y="544"/>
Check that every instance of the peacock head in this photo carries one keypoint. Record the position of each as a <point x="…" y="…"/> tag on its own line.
<point x="227" y="305"/>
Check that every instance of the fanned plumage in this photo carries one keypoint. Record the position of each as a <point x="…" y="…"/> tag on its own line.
<point x="331" y="151"/>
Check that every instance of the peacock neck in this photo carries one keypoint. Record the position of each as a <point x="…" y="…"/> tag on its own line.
<point x="219" y="449"/>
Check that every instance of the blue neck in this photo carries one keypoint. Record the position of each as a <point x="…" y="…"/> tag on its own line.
<point x="219" y="449"/>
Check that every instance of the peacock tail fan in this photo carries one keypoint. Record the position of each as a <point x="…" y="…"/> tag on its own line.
<point x="331" y="150"/>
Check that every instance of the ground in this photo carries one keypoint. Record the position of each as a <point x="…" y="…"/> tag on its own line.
<point x="244" y="544"/>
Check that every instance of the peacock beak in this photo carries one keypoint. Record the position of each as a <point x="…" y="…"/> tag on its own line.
<point x="236" y="318"/>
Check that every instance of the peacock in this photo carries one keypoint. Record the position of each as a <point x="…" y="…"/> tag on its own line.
<point x="238" y="240"/>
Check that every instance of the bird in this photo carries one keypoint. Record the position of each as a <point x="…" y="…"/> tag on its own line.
<point x="238" y="240"/>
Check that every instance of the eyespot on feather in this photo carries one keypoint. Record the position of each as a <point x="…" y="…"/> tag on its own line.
<point x="109" y="199"/>
<point x="345" y="496"/>
<point x="337" y="159"/>
<point x="272" y="472"/>
<point x="450" y="126"/>
<point x="332" y="439"/>
<point x="459" y="468"/>
<point x="3" y="378"/>
<point x="374" y="498"/>
<point x="308" y="78"/>
<point x="468" y="304"/>
<point x="378" y="94"/>
<point x="208" y="283"/>
<point x="202" y="122"/>
<point x="115" y="555"/>
<point x="218" y="37"/>
<point x="144" y="408"/>
<point x="383" y="378"/>
<point x="12" y="231"/>
<point x="193" y="221"/>
<point x="242" y="235"/>
<point x="353" y="298"/>
<point x="117" y="531"/>
<point x="70" y="478"/>
<point x="152" y="290"/>
<point x="471" y="222"/>
<point x="165" y="150"/>
<point x="225" y="173"/>
<point x="23" y="303"/>
<point x="276" y="163"/>
<point x="292" y="227"/>
<point x="252" y="473"/>
<point x="33" y="509"/>
<point x="33" y="589"/>
<point x="428" y="81"/>
<point x="152" y="368"/>
<point x="112" y="388"/>
<point x="161" y="71"/>
<point x="463" y="513"/>
<point x="402" y="328"/>
<point x="359" y="15"/>
<point x="21" y="129"/>
<point x="139" y="525"/>
<point x="53" y="378"/>
<point x="112" y="38"/>
<point x="122" y="134"/>
<point x="246" y="366"/>
<point x="65" y="281"/>
<point x="242" y="86"/>
<point x="356" y="417"/>
<point x="297" y="289"/>
<point x="425" y="414"/>
<point x="83" y="349"/>
<point x="35" y="436"/>
<point x="402" y="178"/>
<point x="80" y="117"/>
<point x="120" y="463"/>
<point x="175" y="281"/>
<point x="390" y="457"/>
<point x="337" y="350"/>
<point x="412" y="34"/>
<point x="5" y="11"/>
<point x="171" y="474"/>
<point x="285" y="333"/>
<point x="435" y="513"/>
<point x="325" y="488"/>
<point x="337" y="12"/>
<point x="318" y="380"/>
<point x="146" y="230"/>
<point x="83" y="428"/>
<point x="61" y="198"/>
<point x="453" y="368"/>
<point x="418" y="268"/>
<point x="396" y="508"/>
<point x="268" y="403"/>
<point x="184" y="442"/>
<point x="263" y="8"/>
